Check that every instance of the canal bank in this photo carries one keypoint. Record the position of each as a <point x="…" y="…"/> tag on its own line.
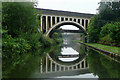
<point x="108" y="50"/>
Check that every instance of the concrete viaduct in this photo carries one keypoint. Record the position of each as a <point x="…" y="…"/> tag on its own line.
<point x="53" y="19"/>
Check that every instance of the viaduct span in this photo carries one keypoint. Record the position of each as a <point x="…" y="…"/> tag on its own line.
<point x="53" y="19"/>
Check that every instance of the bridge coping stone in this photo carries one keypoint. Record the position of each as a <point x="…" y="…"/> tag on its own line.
<point x="64" y="13"/>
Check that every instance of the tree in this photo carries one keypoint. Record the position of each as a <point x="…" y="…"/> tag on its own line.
<point x="94" y="28"/>
<point x="116" y="9"/>
<point x="20" y="36"/>
<point x="57" y="37"/>
<point x="108" y="12"/>
<point x="19" y="18"/>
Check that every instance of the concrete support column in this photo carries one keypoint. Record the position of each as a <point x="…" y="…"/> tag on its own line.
<point x="46" y="64"/>
<point x="88" y="22"/>
<point x="51" y="66"/>
<point x="77" y="20"/>
<point x="81" y="21"/>
<point x="59" y="68"/>
<point x="55" y="67"/>
<point x="73" y="19"/>
<point x="41" y="22"/>
<point x="46" y="23"/>
<point x="80" y="65"/>
<point x="72" y="67"/>
<point x="76" y="66"/>
<point x="68" y="19"/>
<point x="41" y="66"/>
<point x="68" y="68"/>
<point x="85" y="23"/>
<point x="55" y="19"/>
<point x="64" y="19"/>
<point x="51" y="22"/>
<point x="64" y="68"/>
<point x="84" y="64"/>
<point x="60" y="19"/>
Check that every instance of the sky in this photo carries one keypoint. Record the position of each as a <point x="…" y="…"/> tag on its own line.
<point x="82" y="6"/>
<point x="69" y="27"/>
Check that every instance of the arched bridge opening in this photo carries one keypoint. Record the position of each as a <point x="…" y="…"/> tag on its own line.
<point x="58" y="25"/>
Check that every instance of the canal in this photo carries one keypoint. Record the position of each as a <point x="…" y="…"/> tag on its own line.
<point x="71" y="60"/>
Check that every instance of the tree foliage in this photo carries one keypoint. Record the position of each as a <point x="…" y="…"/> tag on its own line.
<point x="57" y="38"/>
<point x="19" y="19"/>
<point x="20" y="35"/>
<point x="94" y="28"/>
<point x="113" y="30"/>
<point x="101" y="28"/>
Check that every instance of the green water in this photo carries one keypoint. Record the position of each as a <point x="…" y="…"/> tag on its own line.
<point x="28" y="65"/>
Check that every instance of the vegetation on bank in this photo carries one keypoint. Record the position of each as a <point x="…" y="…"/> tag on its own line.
<point x="104" y="27"/>
<point x="20" y="35"/>
<point x="112" y="49"/>
<point x="105" y="47"/>
<point x="20" y="29"/>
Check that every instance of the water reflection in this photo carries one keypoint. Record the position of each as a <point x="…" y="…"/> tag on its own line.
<point x="70" y="54"/>
<point x="69" y="51"/>
<point x="103" y="66"/>
<point x="50" y="66"/>
<point x="87" y="75"/>
<point x="68" y="59"/>
<point x="72" y="60"/>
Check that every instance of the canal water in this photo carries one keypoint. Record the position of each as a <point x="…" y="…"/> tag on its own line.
<point x="71" y="60"/>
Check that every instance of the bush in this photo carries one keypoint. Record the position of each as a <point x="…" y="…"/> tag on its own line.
<point x="21" y="24"/>
<point x="57" y="38"/>
<point x="111" y="32"/>
<point x="14" y="46"/>
<point x="106" y="40"/>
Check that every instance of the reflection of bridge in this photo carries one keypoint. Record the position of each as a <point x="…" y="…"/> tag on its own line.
<point x="67" y="56"/>
<point x="75" y="46"/>
<point x="52" y="66"/>
<point x="68" y="31"/>
<point x="53" y="19"/>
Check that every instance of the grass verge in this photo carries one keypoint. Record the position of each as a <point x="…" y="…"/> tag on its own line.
<point x="113" y="49"/>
